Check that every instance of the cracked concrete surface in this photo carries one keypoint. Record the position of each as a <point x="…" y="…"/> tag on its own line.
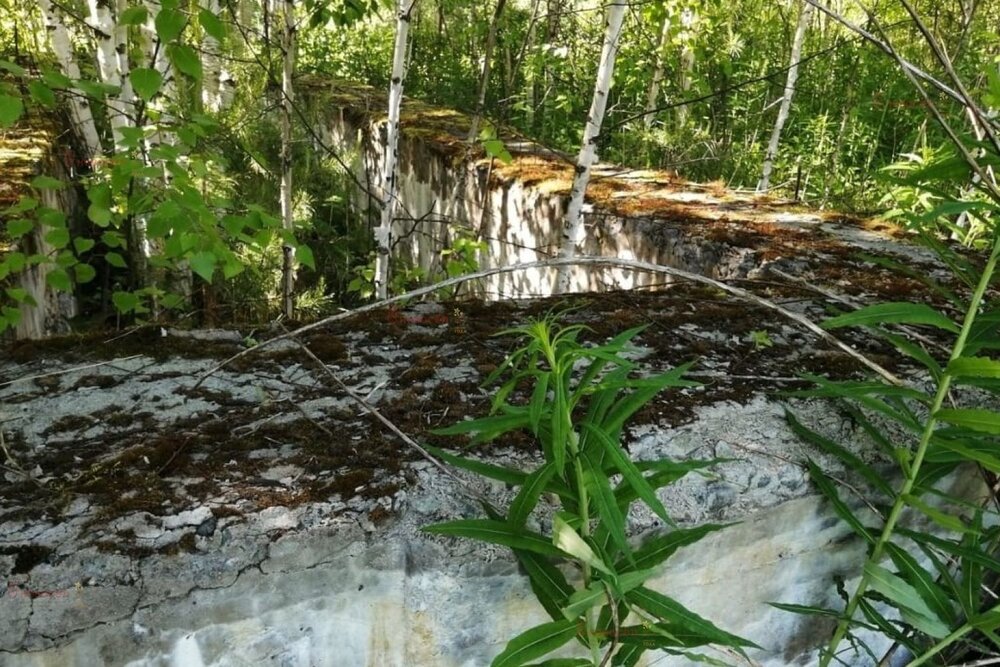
<point x="249" y="521"/>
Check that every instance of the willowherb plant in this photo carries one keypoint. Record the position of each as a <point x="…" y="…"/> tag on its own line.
<point x="580" y="399"/>
<point x="938" y="581"/>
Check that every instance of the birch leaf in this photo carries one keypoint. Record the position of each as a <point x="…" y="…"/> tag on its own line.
<point x="133" y="16"/>
<point x="169" y="24"/>
<point x="146" y="82"/>
<point x="11" y="109"/>
<point x="212" y="24"/>
<point x="185" y="59"/>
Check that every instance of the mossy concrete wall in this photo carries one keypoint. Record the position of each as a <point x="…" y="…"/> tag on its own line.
<point x="449" y="189"/>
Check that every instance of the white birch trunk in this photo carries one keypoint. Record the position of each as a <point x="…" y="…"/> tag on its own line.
<point x="211" y="64"/>
<point x="383" y="232"/>
<point x="688" y="21"/>
<point x="156" y="58"/>
<point x="109" y="67"/>
<point x="83" y="116"/>
<point x="287" y="220"/>
<point x="786" y="100"/>
<point x="573" y="231"/>
<point x="654" y="86"/>
<point x="484" y="77"/>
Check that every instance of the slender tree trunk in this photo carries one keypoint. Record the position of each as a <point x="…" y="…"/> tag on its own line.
<point x="83" y="116"/>
<point x="484" y="77"/>
<point x="287" y="221"/>
<point x="573" y="231"/>
<point x="109" y="67"/>
<point x="786" y="100"/>
<point x="383" y="233"/>
<point x="654" y="86"/>
<point x="688" y="22"/>
<point x="211" y="62"/>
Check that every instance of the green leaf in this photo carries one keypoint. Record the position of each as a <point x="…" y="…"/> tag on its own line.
<point x="18" y="227"/>
<point x="901" y="312"/>
<point x="304" y="254"/>
<point x="923" y="582"/>
<point x="939" y="517"/>
<point x="683" y="622"/>
<point x="203" y="263"/>
<point x="597" y="592"/>
<point x="146" y="82"/>
<point x="907" y="600"/>
<point x="133" y="16"/>
<point x="562" y="662"/>
<point x="13" y="68"/>
<point x="99" y="215"/>
<point x="115" y="260"/>
<point x="495" y="148"/>
<point x="18" y="294"/>
<point x="43" y="182"/>
<point x="568" y="541"/>
<point x="58" y="237"/>
<point x="603" y="497"/>
<point x="58" y="279"/>
<point x="488" y="470"/>
<point x="212" y="24"/>
<point x="846" y="457"/>
<point x="631" y="474"/>
<point x="497" y="532"/>
<point x="11" y="109"/>
<point x="185" y="59"/>
<point x="42" y="94"/>
<point x="547" y="582"/>
<point x="84" y="273"/>
<point x="535" y="643"/>
<point x="82" y="245"/>
<point x="985" y="421"/>
<point x="982" y="367"/>
<point x="125" y="301"/>
<point x="819" y="478"/>
<point x="169" y="24"/>
<point x="655" y="551"/>
<point x="527" y="497"/>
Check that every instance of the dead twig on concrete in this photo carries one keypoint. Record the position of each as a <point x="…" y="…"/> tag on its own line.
<point x="579" y="261"/>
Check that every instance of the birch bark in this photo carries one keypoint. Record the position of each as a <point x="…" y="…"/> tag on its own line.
<point x="484" y="77"/>
<point x="786" y="100"/>
<point x="109" y="67"/>
<point x="83" y="116"/>
<point x="287" y="100"/>
<point x="211" y="63"/>
<point x="383" y="233"/>
<point x="573" y="231"/>
<point x="654" y="86"/>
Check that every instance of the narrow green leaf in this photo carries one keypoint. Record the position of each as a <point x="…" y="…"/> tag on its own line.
<point x="923" y="582"/>
<point x="655" y="551"/>
<point x="535" y="643"/>
<point x="526" y="499"/>
<point x="836" y="450"/>
<point x="628" y="656"/>
<point x="900" y="312"/>
<point x="939" y="517"/>
<point x="906" y="599"/>
<point x="684" y="623"/>
<point x="497" y="532"/>
<point x="825" y="487"/>
<point x="547" y="582"/>
<point x="985" y="421"/>
<point x="982" y="367"/>
<point x="569" y="541"/>
<point x="631" y="474"/>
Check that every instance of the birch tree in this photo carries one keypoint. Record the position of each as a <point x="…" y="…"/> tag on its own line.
<point x="109" y="66"/>
<point x="654" y="86"/>
<point x="689" y="19"/>
<point x="484" y="78"/>
<point x="82" y="114"/>
<point x="383" y="233"/>
<point x="573" y="231"/>
<point x="211" y="59"/>
<point x="287" y="101"/>
<point x="786" y="99"/>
